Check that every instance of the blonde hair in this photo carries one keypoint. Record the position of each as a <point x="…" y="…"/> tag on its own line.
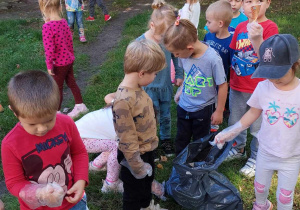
<point x="163" y="16"/>
<point x="50" y="6"/>
<point x="144" y="55"/>
<point x="221" y="10"/>
<point x="181" y="34"/>
<point x="33" y="94"/>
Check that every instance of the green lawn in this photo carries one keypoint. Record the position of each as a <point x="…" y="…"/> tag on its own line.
<point x="21" y="49"/>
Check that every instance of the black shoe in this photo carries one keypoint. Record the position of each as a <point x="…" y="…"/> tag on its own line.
<point x="156" y="155"/>
<point x="167" y="147"/>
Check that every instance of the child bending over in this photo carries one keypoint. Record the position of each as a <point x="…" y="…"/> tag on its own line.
<point x="45" y="163"/>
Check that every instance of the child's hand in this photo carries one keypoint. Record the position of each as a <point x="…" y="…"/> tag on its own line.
<point x="109" y="97"/>
<point x="178" y="82"/>
<point x="50" y="71"/>
<point x="51" y="195"/>
<point x="255" y="31"/>
<point x="144" y="171"/>
<point x="217" y="118"/>
<point x="177" y="95"/>
<point x="77" y="189"/>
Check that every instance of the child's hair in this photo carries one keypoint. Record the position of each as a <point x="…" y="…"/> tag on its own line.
<point x="163" y="16"/>
<point x="221" y="10"/>
<point x="33" y="94"/>
<point x="180" y="34"/>
<point x="144" y="55"/>
<point x="49" y="6"/>
<point x="296" y="66"/>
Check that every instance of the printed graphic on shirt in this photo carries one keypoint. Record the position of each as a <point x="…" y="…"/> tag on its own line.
<point x="231" y="30"/>
<point x="37" y="172"/>
<point x="244" y="61"/>
<point x="196" y="80"/>
<point x="289" y="115"/>
<point x="217" y="46"/>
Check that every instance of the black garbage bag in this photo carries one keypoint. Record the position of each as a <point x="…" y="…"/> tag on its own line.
<point x="194" y="182"/>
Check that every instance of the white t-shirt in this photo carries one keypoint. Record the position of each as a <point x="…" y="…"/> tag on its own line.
<point x="279" y="134"/>
<point x="191" y="13"/>
<point x="97" y="124"/>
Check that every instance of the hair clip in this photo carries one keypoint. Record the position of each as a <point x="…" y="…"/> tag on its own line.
<point x="177" y="23"/>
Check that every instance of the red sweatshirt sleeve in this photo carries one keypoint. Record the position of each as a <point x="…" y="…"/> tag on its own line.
<point x="49" y="45"/>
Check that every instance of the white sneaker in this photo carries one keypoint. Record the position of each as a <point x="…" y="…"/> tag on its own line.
<point x="234" y="154"/>
<point x="153" y="207"/>
<point x="94" y="168"/>
<point x="112" y="187"/>
<point x="78" y="109"/>
<point x="249" y="169"/>
<point x="267" y="206"/>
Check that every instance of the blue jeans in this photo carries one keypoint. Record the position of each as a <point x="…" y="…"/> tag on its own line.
<point x="238" y="107"/>
<point x="163" y="114"/>
<point x="71" y="21"/>
<point x="81" y="205"/>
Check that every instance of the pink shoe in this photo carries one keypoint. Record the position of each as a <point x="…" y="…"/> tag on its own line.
<point x="82" y="39"/>
<point x="116" y="186"/>
<point x="94" y="168"/>
<point x="78" y="109"/>
<point x="107" y="17"/>
<point x="267" y="206"/>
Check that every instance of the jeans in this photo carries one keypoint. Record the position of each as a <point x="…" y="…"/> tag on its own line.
<point x="163" y="114"/>
<point x="71" y="21"/>
<point x="100" y="4"/>
<point x="192" y="124"/>
<point x="238" y="107"/>
<point x="81" y="205"/>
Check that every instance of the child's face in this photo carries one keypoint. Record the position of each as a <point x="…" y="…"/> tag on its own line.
<point x="186" y="53"/>
<point x="284" y="81"/>
<point x="235" y="5"/>
<point x="147" y="78"/>
<point x="212" y="23"/>
<point x="247" y="4"/>
<point x="38" y="126"/>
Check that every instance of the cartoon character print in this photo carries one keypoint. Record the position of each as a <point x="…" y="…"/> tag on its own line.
<point x="268" y="55"/>
<point x="290" y="117"/>
<point x="35" y="172"/>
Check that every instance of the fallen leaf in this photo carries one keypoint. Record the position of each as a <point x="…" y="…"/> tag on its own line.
<point x="18" y="66"/>
<point x="160" y="166"/>
<point x="163" y="158"/>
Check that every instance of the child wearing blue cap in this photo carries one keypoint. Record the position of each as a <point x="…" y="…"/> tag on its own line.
<point x="277" y="100"/>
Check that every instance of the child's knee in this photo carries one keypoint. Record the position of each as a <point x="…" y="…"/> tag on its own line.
<point x="285" y="196"/>
<point x="260" y="188"/>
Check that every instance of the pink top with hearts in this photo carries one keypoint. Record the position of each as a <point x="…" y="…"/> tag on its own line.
<point x="58" y="43"/>
<point x="280" y="129"/>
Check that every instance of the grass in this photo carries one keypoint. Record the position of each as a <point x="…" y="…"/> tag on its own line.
<point x="21" y="49"/>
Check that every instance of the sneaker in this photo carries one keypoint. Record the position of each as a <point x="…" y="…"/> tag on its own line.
<point x="116" y="186"/>
<point x="267" y="206"/>
<point x="249" y="169"/>
<point x="167" y="147"/>
<point x="153" y="206"/>
<point x="78" y="109"/>
<point x="214" y="128"/>
<point x="234" y="154"/>
<point x="82" y="39"/>
<point x="94" y="168"/>
<point x="89" y="18"/>
<point x="107" y="17"/>
<point x="156" y="155"/>
<point x="58" y="112"/>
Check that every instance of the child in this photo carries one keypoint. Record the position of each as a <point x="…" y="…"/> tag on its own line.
<point x="58" y="44"/>
<point x="191" y="11"/>
<point x="98" y="135"/>
<point x="43" y="157"/>
<point x="242" y="86"/>
<point x="134" y="122"/>
<point x="161" y="89"/>
<point x="75" y="10"/>
<point x="277" y="101"/>
<point x="100" y="3"/>
<point x="203" y="72"/>
<point x="238" y="16"/>
<point x="218" y="16"/>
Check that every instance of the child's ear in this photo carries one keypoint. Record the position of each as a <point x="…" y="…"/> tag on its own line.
<point x="12" y="110"/>
<point x="190" y="47"/>
<point x="152" y="25"/>
<point x="141" y="73"/>
<point x="221" y="23"/>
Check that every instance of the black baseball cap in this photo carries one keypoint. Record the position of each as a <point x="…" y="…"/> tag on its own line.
<point x="277" y="54"/>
